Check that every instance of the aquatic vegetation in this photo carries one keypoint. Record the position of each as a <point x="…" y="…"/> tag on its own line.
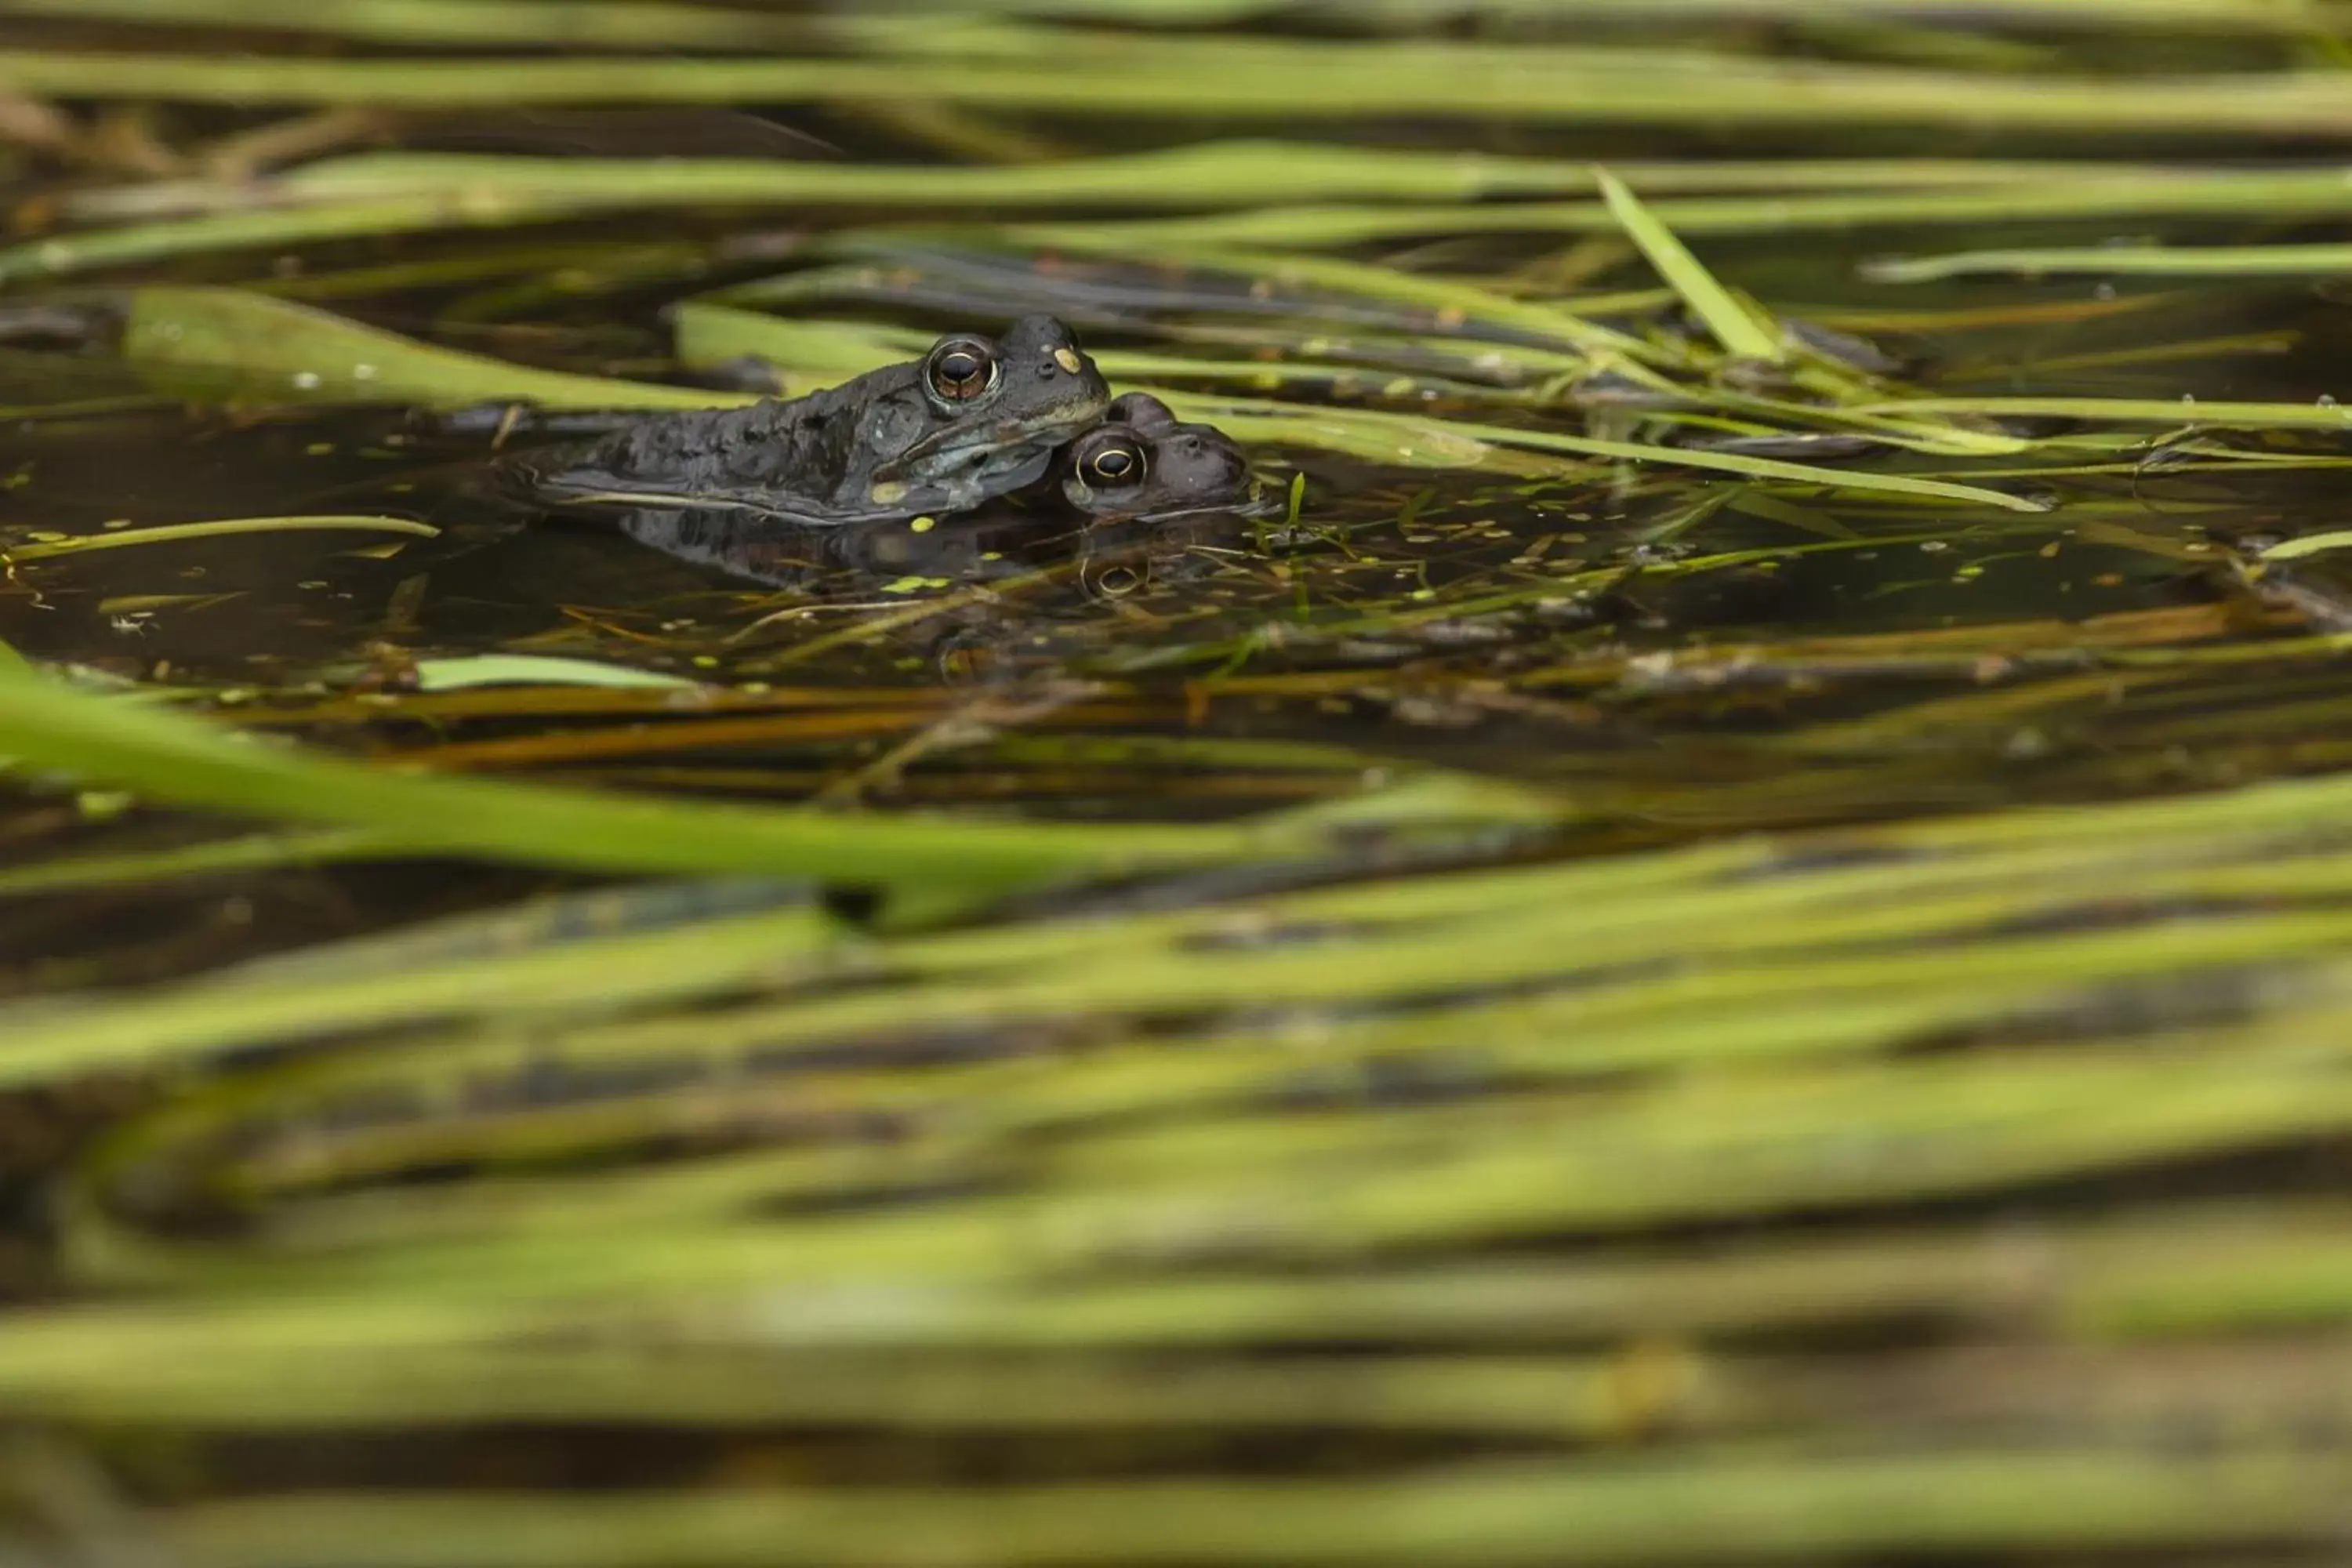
<point x="1725" y="942"/>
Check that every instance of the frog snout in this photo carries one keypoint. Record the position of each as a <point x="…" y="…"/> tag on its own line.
<point x="1218" y="462"/>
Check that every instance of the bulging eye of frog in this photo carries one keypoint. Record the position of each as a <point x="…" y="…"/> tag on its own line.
<point x="1115" y="462"/>
<point x="961" y="369"/>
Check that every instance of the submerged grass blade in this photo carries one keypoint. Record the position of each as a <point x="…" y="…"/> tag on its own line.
<point x="2121" y="261"/>
<point x="214" y="343"/>
<point x="177" y="532"/>
<point x="536" y="670"/>
<point x="1737" y="331"/>
<point x="2185" y="410"/>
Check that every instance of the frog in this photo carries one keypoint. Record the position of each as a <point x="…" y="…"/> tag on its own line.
<point x="1143" y="465"/>
<point x="974" y="418"/>
<point x="1138" y="469"/>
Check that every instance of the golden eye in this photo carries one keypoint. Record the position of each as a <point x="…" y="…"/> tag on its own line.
<point x="961" y="369"/>
<point x="1114" y="463"/>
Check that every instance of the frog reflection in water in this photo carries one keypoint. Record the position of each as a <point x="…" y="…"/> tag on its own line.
<point x="1140" y="469"/>
<point x="972" y="419"/>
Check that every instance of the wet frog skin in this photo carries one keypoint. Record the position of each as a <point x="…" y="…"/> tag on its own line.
<point x="972" y="419"/>
<point x="1141" y="467"/>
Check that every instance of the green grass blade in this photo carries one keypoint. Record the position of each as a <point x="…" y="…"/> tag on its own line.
<point x="591" y="24"/>
<point x="1737" y="331"/>
<point x="214" y="343"/>
<point x="135" y="242"/>
<point x="2258" y="193"/>
<point x="1278" y="422"/>
<point x="536" y="670"/>
<point x="1196" y="78"/>
<point x="2134" y="261"/>
<point x="257" y="852"/>
<point x="2184" y="410"/>
<point x="2310" y="544"/>
<point x="224" y="341"/>
<point x="174" y="759"/>
<point x="477" y="187"/>
<point x="178" y="533"/>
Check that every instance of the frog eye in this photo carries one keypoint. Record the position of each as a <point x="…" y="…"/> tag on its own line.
<point x="1112" y="462"/>
<point x="961" y="369"/>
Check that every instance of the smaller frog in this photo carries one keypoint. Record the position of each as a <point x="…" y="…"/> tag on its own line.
<point x="1141" y="464"/>
<point x="972" y="419"/>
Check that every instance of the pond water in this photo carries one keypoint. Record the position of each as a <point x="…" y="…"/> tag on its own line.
<point x="1696" y="652"/>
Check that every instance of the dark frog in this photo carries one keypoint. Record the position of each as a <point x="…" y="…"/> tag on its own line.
<point x="1143" y="464"/>
<point x="972" y="419"/>
<point x="1141" y="467"/>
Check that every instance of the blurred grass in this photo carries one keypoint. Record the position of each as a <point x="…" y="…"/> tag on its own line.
<point x="1736" y="1035"/>
<point x="1745" y="1509"/>
<point x="1205" y="77"/>
<point x="1386" y="1163"/>
<point x="658" y="24"/>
